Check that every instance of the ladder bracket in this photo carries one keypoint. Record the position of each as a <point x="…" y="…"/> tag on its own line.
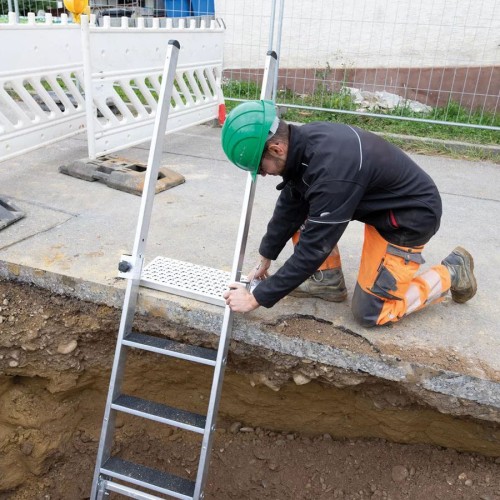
<point x="125" y="266"/>
<point x="130" y="267"/>
<point x="120" y="173"/>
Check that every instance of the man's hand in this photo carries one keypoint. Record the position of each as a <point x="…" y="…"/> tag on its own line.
<point x="239" y="299"/>
<point x="260" y="270"/>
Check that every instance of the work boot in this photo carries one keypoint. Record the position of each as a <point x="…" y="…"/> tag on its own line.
<point x="327" y="285"/>
<point x="460" y="264"/>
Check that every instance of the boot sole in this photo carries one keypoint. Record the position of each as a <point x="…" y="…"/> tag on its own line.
<point x="463" y="296"/>
<point x="334" y="297"/>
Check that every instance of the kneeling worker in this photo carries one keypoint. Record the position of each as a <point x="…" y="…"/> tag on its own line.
<point x="332" y="174"/>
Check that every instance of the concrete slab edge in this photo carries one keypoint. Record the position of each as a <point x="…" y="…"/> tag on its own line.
<point x="465" y="393"/>
<point x="457" y="146"/>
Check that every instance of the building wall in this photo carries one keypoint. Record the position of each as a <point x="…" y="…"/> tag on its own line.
<point x="365" y="33"/>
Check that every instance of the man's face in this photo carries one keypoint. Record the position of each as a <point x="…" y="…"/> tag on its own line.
<point x="273" y="160"/>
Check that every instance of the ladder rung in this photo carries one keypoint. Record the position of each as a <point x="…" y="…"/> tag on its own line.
<point x="160" y="413"/>
<point x="130" y="491"/>
<point x="171" y="348"/>
<point x="153" y="479"/>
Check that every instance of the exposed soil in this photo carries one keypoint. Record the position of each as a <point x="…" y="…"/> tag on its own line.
<point x="326" y="333"/>
<point x="303" y="441"/>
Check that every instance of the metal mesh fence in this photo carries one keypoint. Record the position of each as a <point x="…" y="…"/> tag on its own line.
<point x="435" y="61"/>
<point x="113" y="8"/>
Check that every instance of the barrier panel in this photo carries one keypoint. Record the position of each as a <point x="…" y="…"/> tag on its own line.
<point x="123" y="68"/>
<point x="41" y="79"/>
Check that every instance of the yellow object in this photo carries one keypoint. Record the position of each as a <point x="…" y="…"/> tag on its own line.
<point x="77" y="7"/>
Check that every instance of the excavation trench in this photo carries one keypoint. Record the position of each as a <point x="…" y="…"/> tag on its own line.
<point x="55" y="357"/>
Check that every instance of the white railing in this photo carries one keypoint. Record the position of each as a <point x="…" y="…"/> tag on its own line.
<point x="41" y="77"/>
<point x="123" y="67"/>
<point x="62" y="78"/>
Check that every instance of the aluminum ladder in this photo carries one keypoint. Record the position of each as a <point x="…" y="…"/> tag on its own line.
<point x="113" y="474"/>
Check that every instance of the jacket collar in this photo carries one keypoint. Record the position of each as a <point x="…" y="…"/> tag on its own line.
<point x="293" y="164"/>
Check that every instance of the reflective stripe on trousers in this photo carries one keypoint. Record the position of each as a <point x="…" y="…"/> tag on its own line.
<point x="387" y="288"/>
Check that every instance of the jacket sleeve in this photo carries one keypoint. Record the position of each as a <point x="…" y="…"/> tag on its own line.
<point x="331" y="207"/>
<point x="289" y="214"/>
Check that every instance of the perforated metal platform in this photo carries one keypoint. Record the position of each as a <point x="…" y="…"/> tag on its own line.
<point x="187" y="280"/>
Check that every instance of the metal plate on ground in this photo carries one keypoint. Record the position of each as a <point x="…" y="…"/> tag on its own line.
<point x="202" y="283"/>
<point x="8" y="213"/>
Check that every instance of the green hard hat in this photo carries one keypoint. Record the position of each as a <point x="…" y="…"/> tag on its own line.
<point x="246" y="131"/>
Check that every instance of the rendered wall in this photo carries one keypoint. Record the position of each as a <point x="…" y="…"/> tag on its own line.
<point x="365" y="33"/>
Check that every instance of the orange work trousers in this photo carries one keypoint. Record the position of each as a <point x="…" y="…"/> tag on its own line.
<point x="388" y="288"/>
<point x="331" y="262"/>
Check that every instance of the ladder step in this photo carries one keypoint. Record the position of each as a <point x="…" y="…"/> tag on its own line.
<point x="171" y="348"/>
<point x="160" y="413"/>
<point x="140" y="475"/>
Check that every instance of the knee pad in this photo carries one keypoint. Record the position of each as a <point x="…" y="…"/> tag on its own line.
<point x="366" y="308"/>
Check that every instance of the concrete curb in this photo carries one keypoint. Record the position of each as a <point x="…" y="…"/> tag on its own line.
<point x="455" y="146"/>
<point x="449" y="392"/>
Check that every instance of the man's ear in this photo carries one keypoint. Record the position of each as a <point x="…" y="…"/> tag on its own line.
<point x="278" y="149"/>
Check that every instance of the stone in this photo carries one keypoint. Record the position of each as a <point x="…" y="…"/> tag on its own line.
<point x="235" y="427"/>
<point x="300" y="379"/>
<point x="373" y="101"/>
<point x="67" y="347"/>
<point x="399" y="473"/>
<point x="27" y="448"/>
<point x="261" y="454"/>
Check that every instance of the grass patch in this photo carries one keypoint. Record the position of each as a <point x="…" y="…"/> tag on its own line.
<point x="389" y="123"/>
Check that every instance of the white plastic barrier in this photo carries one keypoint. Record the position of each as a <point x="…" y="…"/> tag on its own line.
<point x="123" y="66"/>
<point x="41" y="78"/>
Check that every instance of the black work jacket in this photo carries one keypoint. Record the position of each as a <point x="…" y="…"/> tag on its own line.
<point x="336" y="173"/>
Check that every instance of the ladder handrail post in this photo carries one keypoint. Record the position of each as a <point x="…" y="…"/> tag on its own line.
<point x="227" y="324"/>
<point x="132" y="288"/>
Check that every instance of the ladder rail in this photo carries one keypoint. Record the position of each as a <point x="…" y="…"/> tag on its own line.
<point x="227" y="323"/>
<point x="132" y="288"/>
